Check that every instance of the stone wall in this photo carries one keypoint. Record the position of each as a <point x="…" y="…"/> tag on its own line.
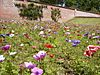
<point x="8" y="10"/>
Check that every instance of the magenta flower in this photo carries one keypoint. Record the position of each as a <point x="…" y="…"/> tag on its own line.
<point x="86" y="34"/>
<point x="6" y="47"/>
<point x="36" y="71"/>
<point x="40" y="55"/>
<point x="36" y="57"/>
<point x="29" y="65"/>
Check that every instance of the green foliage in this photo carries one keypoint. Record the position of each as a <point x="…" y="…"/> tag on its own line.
<point x="70" y="2"/>
<point x="84" y="5"/>
<point x="9" y="68"/>
<point x="31" y="12"/>
<point x="48" y="1"/>
<point x="55" y="14"/>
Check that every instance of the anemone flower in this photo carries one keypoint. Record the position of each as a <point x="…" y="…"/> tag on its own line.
<point x="75" y="41"/>
<point x="21" y="44"/>
<point x="2" y="58"/>
<point x="98" y="31"/>
<point x="67" y="33"/>
<point x="34" y="47"/>
<point x="6" y="47"/>
<point x="36" y="71"/>
<point x="86" y="34"/>
<point x="35" y="27"/>
<point x="48" y="45"/>
<point x="12" y="31"/>
<point x="98" y="42"/>
<point x="51" y="55"/>
<point x="96" y="37"/>
<point x="26" y="35"/>
<point x="12" y="53"/>
<point x="91" y="49"/>
<point x="29" y="65"/>
<point x="73" y="44"/>
<point x="67" y="40"/>
<point x="88" y="53"/>
<point x="41" y="33"/>
<point x="66" y="28"/>
<point x="11" y="35"/>
<point x="49" y="30"/>
<point x="93" y="34"/>
<point x="41" y="28"/>
<point x="4" y="35"/>
<point x="37" y="57"/>
<point x="40" y="55"/>
<point x="55" y="32"/>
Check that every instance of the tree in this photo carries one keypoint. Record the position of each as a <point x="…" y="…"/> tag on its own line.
<point x="84" y="5"/>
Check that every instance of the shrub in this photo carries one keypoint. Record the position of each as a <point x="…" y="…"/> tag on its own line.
<point x="31" y="12"/>
<point x="55" y="14"/>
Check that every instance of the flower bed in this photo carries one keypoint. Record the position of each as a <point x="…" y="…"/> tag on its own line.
<point x="49" y="48"/>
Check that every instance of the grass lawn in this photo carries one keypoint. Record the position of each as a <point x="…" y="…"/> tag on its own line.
<point x="91" y="21"/>
<point x="63" y="56"/>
